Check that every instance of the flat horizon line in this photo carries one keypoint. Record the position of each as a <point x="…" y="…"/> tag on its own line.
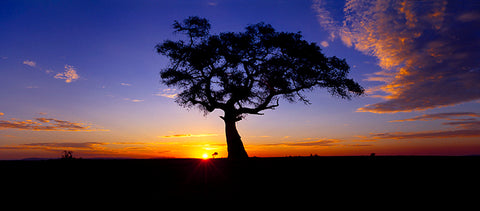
<point x="224" y="158"/>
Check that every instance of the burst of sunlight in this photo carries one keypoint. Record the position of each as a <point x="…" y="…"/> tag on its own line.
<point x="205" y="156"/>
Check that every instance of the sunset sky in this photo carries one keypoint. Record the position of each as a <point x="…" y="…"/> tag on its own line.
<point x="84" y="76"/>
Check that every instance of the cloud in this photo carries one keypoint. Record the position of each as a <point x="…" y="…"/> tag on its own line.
<point x="46" y="124"/>
<point x="212" y="3"/>
<point x="470" y="124"/>
<point x="320" y="142"/>
<point x="189" y="135"/>
<point x="446" y="116"/>
<point x="125" y="84"/>
<point x="428" y="134"/>
<point x="30" y="63"/>
<point x="324" y="44"/>
<point x="325" y="18"/>
<point x="94" y="149"/>
<point x="69" y="75"/>
<point x="168" y="93"/>
<point x="1" y="114"/>
<point x="428" y="50"/>
<point x="81" y="145"/>
<point x="133" y="100"/>
<point x="463" y="128"/>
<point x="469" y="16"/>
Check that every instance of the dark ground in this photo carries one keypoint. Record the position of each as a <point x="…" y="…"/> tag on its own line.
<point x="255" y="178"/>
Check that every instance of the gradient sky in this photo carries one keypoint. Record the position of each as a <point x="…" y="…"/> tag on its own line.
<point x="83" y="76"/>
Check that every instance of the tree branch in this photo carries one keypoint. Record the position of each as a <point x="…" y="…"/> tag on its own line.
<point x="265" y="105"/>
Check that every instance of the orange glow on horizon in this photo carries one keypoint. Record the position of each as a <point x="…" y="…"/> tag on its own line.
<point x="205" y="156"/>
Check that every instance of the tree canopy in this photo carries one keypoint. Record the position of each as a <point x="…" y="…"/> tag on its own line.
<point x="248" y="72"/>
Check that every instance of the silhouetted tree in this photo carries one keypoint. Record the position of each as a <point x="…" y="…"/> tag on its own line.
<point x="67" y="155"/>
<point x="247" y="72"/>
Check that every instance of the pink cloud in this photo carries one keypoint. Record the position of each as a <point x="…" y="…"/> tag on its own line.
<point x="46" y="124"/>
<point x="69" y="75"/>
<point x="428" y="50"/>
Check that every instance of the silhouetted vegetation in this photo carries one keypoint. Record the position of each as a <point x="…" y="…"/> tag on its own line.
<point x="248" y="72"/>
<point x="317" y="178"/>
<point x="67" y="155"/>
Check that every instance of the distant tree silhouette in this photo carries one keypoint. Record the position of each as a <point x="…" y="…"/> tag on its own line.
<point x="214" y="155"/>
<point x="67" y="155"/>
<point x="247" y="72"/>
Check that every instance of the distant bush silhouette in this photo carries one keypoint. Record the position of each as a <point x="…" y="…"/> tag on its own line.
<point x="248" y="72"/>
<point x="67" y="155"/>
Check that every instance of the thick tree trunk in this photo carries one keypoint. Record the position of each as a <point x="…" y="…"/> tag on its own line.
<point x="234" y="142"/>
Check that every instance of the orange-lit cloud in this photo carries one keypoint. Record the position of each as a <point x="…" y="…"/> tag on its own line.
<point x="81" y="145"/>
<point x="324" y="44"/>
<point x="428" y="134"/>
<point x="168" y="93"/>
<point x="69" y="75"/>
<point x="189" y="135"/>
<point x="446" y="116"/>
<point x="54" y="146"/>
<point x="320" y="142"/>
<point x="428" y="50"/>
<point x="133" y="100"/>
<point x="30" y="63"/>
<point x="469" y="124"/>
<point x="464" y="127"/>
<point x="92" y="149"/>
<point x="46" y="124"/>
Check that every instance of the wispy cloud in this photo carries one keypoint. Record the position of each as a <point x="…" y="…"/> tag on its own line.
<point x="469" y="124"/>
<point x="445" y="116"/>
<point x="69" y="75"/>
<point x="427" y="134"/>
<point x="46" y="124"/>
<point x="324" y="44"/>
<point x="94" y="149"/>
<point x="189" y="135"/>
<point x="54" y="146"/>
<point x="463" y="127"/>
<point x="30" y="63"/>
<point x="125" y="84"/>
<point x="168" y="93"/>
<point x="133" y="100"/>
<point x="78" y="145"/>
<point x="428" y="50"/>
<point x="212" y="3"/>
<point x="319" y="142"/>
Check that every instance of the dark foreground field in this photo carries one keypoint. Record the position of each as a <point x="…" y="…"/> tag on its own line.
<point x="256" y="178"/>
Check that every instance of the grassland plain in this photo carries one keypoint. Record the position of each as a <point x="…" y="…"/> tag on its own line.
<point x="319" y="178"/>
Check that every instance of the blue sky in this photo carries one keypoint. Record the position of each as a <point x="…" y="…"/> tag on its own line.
<point x="91" y="68"/>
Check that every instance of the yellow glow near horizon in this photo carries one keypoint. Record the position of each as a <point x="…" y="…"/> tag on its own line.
<point x="205" y="156"/>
